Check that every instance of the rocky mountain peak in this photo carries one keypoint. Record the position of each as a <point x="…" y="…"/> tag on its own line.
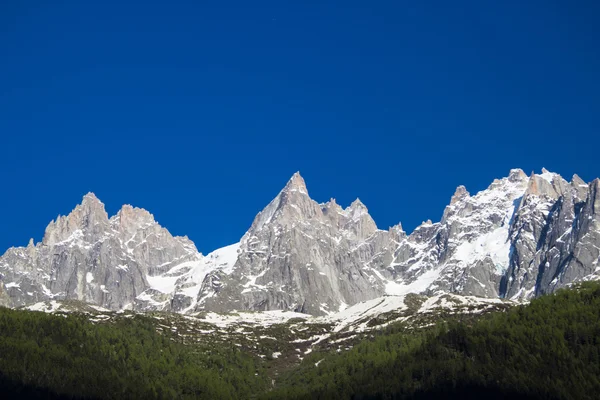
<point x="360" y="222"/>
<point x="358" y="206"/>
<point x="357" y="210"/>
<point x="88" y="219"/>
<point x="291" y="205"/>
<point x="576" y="180"/>
<point x="580" y="188"/>
<point x="460" y="193"/>
<point x="546" y="184"/>
<point x="517" y="175"/>
<point x="397" y="233"/>
<point x="130" y="218"/>
<point x="332" y="207"/>
<point x="90" y="198"/>
<point x="91" y="206"/>
<point x="296" y="184"/>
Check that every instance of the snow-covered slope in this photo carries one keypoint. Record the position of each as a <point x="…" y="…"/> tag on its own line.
<point x="294" y="334"/>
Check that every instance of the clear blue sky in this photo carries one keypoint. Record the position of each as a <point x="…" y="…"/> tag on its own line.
<point x="200" y="111"/>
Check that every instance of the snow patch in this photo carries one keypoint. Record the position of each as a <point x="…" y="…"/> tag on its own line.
<point x="418" y="286"/>
<point x="494" y="244"/>
<point x="264" y="318"/>
<point x="164" y="284"/>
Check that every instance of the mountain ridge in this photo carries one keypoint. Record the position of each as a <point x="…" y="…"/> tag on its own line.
<point x="521" y="237"/>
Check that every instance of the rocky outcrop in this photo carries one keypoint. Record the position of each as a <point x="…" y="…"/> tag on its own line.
<point x="303" y="256"/>
<point x="88" y="257"/>
<point x="555" y="237"/>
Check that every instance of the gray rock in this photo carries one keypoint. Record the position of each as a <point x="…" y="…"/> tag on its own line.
<point x="88" y="257"/>
<point x="303" y="256"/>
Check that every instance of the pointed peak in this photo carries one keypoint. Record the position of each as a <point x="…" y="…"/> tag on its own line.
<point x="88" y="217"/>
<point x="532" y="184"/>
<point x="576" y="180"/>
<point x="356" y="209"/>
<point x="357" y="204"/>
<point x="333" y="205"/>
<point x="578" y="183"/>
<point x="129" y="212"/>
<point x="292" y="203"/>
<point x="547" y="175"/>
<point x="296" y="183"/>
<point x="547" y="183"/>
<point x="90" y="197"/>
<point x="580" y="187"/>
<point x="460" y="193"/>
<point x="31" y="243"/>
<point x="91" y="204"/>
<point x="396" y="228"/>
<point x="517" y="174"/>
<point x="396" y="232"/>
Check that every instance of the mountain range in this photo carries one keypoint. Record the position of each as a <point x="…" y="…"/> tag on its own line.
<point x="522" y="237"/>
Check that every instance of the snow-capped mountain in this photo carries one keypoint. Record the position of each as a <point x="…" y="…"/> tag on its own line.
<point x="521" y="237"/>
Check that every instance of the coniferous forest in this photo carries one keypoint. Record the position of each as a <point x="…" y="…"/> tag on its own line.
<point x="548" y="349"/>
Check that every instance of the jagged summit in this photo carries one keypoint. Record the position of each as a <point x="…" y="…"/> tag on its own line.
<point x="91" y="202"/>
<point x="90" y="197"/>
<point x="460" y="193"/>
<point x="576" y="180"/>
<point x="296" y="183"/>
<point x="357" y="204"/>
<point x="291" y="204"/>
<point x="132" y="216"/>
<point x="517" y="174"/>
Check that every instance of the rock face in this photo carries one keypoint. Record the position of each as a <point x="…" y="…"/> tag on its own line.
<point x="521" y="237"/>
<point x="87" y="256"/>
<point x="304" y="256"/>
<point x="555" y="236"/>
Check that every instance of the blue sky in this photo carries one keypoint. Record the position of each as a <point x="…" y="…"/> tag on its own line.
<point x="201" y="111"/>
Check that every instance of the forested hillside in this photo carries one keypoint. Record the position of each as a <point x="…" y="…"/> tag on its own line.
<point x="549" y="349"/>
<point x="50" y="355"/>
